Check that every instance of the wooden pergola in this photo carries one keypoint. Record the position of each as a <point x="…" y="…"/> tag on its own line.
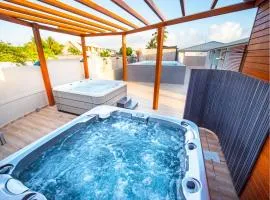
<point x="57" y="16"/>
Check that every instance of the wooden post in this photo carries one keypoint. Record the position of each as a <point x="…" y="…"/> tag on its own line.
<point x="85" y="62"/>
<point x="160" y="38"/>
<point x="124" y="57"/>
<point x="43" y="65"/>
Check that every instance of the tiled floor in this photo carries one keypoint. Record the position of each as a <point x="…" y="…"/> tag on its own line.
<point x="218" y="175"/>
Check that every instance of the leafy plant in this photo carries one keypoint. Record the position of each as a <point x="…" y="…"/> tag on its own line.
<point x="28" y="52"/>
<point x="55" y="47"/>
<point x="74" y="51"/>
<point x="129" y="51"/>
<point x="152" y="44"/>
<point x="9" y="53"/>
<point x="105" y="53"/>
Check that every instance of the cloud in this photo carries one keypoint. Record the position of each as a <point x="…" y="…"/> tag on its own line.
<point x="226" y="32"/>
<point x="189" y="37"/>
<point x="171" y="40"/>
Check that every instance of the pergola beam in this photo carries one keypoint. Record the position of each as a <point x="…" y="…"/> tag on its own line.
<point x="85" y="61"/>
<point x="182" y="5"/>
<point x="45" y="16"/>
<point x="214" y="3"/>
<point x="124" y="57"/>
<point x="105" y="11"/>
<point x="158" y="72"/>
<point x="41" y="20"/>
<point x="43" y="65"/>
<point x="155" y="9"/>
<point x="187" y="18"/>
<point x="94" y="26"/>
<point x="131" y="11"/>
<point x="28" y="24"/>
<point x="69" y="8"/>
<point x="197" y="16"/>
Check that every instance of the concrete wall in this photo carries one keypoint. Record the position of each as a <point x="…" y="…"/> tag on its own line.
<point x="193" y="58"/>
<point x="146" y="73"/>
<point x="150" y="54"/>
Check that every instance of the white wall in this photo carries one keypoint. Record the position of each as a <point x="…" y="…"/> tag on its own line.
<point x="105" y="68"/>
<point x="22" y="89"/>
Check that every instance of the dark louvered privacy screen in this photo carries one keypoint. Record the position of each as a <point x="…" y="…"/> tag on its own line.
<point x="235" y="107"/>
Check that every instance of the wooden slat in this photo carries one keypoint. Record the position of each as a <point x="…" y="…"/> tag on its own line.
<point x="85" y="60"/>
<point x="256" y="66"/>
<point x="258" y="60"/>
<point x="260" y="46"/>
<point x="62" y="14"/>
<point x="256" y="63"/>
<point x="214" y="3"/>
<point x="130" y="10"/>
<point x="14" y="20"/>
<point x="260" y="27"/>
<point x="124" y="57"/>
<point x="260" y="2"/>
<point x="260" y="34"/>
<point x="262" y="20"/>
<point x="259" y="39"/>
<point x="107" y="12"/>
<point x="28" y="24"/>
<point x="70" y="30"/>
<point x="262" y="14"/>
<point x="45" y="16"/>
<point x="263" y="8"/>
<point x="71" y="9"/>
<point x="40" y="20"/>
<point x="259" y="53"/>
<point x="104" y="34"/>
<point x="43" y="65"/>
<point x="256" y="73"/>
<point x="160" y="39"/>
<point x="155" y="9"/>
<point x="182" y="5"/>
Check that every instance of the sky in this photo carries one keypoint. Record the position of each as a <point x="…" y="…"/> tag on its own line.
<point x="223" y="28"/>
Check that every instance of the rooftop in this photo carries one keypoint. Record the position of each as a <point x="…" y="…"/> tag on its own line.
<point x="202" y="47"/>
<point x="214" y="45"/>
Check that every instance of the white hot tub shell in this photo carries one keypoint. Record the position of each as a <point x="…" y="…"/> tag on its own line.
<point x="80" y="96"/>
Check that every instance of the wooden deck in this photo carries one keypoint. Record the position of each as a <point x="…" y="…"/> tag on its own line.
<point x="29" y="128"/>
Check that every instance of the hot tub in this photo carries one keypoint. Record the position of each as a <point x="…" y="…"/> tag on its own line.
<point x="173" y="72"/>
<point x="110" y="153"/>
<point x="80" y="96"/>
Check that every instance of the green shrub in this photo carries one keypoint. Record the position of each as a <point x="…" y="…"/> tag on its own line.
<point x="128" y="51"/>
<point x="74" y="51"/>
<point x="105" y="53"/>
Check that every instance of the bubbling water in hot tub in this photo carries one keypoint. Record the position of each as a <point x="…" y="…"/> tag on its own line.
<point x="113" y="158"/>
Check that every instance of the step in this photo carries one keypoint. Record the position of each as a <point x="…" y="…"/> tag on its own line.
<point x="132" y="105"/>
<point x="124" y="102"/>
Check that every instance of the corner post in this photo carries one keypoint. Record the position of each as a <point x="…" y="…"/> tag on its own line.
<point x="43" y="65"/>
<point x="160" y="38"/>
<point x="124" y="57"/>
<point x="85" y="62"/>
